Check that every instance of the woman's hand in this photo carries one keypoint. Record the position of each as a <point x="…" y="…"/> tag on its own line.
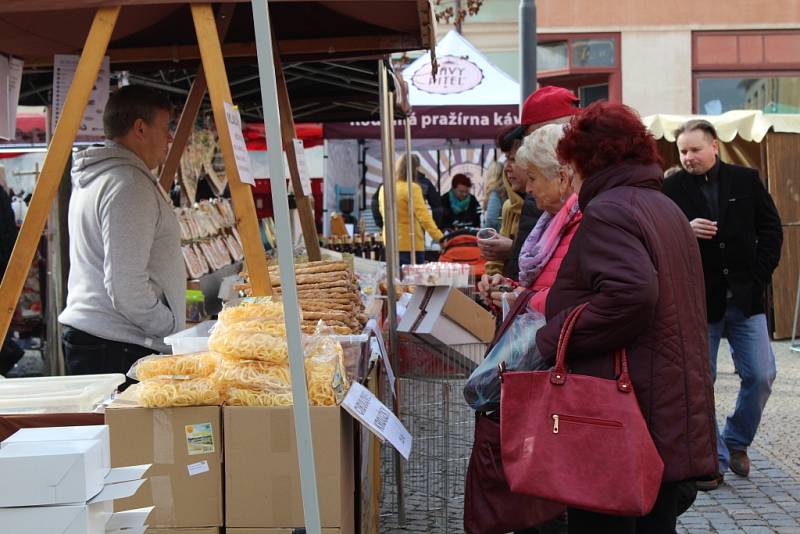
<point x="497" y="248"/>
<point x="488" y="285"/>
<point x="510" y="296"/>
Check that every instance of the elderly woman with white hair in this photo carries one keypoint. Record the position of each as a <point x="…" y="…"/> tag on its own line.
<point x="550" y="183"/>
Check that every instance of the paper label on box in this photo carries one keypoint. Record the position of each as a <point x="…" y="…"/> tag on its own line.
<point x="198" y="468"/>
<point x="199" y="439"/>
<point x="372" y="413"/>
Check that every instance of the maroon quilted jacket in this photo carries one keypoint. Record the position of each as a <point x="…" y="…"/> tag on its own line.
<point x="637" y="263"/>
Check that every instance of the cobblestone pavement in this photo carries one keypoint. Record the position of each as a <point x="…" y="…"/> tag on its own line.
<point x="768" y="501"/>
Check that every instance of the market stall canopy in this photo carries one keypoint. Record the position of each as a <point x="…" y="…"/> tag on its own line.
<point x="330" y="60"/>
<point x="750" y="125"/>
<point x="162" y="31"/>
<point x="469" y="98"/>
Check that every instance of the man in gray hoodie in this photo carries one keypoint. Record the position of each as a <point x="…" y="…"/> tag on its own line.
<point x="127" y="280"/>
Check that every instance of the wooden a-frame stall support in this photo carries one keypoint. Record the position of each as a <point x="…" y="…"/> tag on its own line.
<point x="212" y="76"/>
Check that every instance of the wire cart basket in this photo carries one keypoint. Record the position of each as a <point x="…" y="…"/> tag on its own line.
<point x="434" y="411"/>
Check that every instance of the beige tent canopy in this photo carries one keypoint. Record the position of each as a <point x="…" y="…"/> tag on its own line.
<point x="771" y="144"/>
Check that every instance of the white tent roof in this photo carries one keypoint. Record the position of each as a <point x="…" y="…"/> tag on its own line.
<point x="465" y="77"/>
<point x="748" y="124"/>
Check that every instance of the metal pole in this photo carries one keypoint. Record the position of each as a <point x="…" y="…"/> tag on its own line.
<point x="390" y="227"/>
<point x="280" y="204"/>
<point x="527" y="49"/>
<point x="410" y="181"/>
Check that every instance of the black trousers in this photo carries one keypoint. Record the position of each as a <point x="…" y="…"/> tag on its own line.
<point x="86" y="354"/>
<point x="661" y="520"/>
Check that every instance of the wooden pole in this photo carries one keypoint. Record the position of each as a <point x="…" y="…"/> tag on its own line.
<point x="191" y="107"/>
<point x="305" y="204"/>
<point x="55" y="161"/>
<point x="220" y="92"/>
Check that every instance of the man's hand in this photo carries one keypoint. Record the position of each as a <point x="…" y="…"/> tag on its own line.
<point x="489" y="285"/>
<point x="497" y="248"/>
<point x="703" y="228"/>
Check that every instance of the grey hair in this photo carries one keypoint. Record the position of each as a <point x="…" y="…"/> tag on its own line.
<point x="539" y="149"/>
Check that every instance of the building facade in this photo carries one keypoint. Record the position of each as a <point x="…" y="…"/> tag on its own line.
<point x="674" y="57"/>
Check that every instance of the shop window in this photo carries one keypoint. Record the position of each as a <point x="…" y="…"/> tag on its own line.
<point x="593" y="53"/>
<point x="586" y="64"/>
<point x="592" y="93"/>
<point x="757" y="70"/>
<point x="552" y="56"/>
<point x="774" y="94"/>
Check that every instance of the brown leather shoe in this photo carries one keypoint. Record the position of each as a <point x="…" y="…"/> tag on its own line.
<point x="711" y="483"/>
<point x="740" y="463"/>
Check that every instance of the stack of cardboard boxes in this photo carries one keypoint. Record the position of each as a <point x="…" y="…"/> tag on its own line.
<point x="233" y="467"/>
<point x="60" y="481"/>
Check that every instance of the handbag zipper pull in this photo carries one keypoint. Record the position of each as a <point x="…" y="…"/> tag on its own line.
<point x="555" y="424"/>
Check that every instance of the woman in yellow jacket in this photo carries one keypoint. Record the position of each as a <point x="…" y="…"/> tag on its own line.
<point x="422" y="216"/>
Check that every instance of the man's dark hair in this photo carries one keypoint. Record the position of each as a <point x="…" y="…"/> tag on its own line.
<point x="510" y="138"/>
<point x="130" y="103"/>
<point x="697" y="124"/>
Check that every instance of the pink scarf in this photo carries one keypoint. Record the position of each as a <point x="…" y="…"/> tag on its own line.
<point x="543" y="240"/>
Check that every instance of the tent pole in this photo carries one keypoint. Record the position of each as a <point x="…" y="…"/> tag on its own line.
<point x="220" y="92"/>
<point x="280" y="203"/>
<point x="390" y="229"/>
<point x="191" y="107"/>
<point x="55" y="162"/>
<point x="410" y="181"/>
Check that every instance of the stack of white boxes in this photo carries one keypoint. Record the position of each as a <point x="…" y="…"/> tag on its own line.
<point x="59" y="480"/>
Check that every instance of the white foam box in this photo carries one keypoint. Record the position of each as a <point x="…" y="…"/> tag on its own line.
<point x="93" y="517"/>
<point x="57" y="472"/>
<point x="65" y="433"/>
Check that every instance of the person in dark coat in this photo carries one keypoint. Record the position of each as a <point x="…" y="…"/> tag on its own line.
<point x="10" y="352"/>
<point x="461" y="208"/>
<point x="739" y="233"/>
<point x="635" y="261"/>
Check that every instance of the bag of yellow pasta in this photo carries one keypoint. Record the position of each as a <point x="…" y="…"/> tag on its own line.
<point x="167" y="392"/>
<point x="252" y="308"/>
<point x="197" y="365"/>
<point x="257" y="397"/>
<point x="325" y="377"/>
<point x="243" y="343"/>
<point x="253" y="374"/>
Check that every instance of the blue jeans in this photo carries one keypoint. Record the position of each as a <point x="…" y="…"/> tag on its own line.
<point x="405" y="257"/>
<point x="755" y="364"/>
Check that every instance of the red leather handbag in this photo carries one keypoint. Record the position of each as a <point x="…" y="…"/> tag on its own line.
<point x="579" y="440"/>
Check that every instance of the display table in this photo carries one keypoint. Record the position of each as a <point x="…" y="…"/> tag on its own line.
<point x="9" y="424"/>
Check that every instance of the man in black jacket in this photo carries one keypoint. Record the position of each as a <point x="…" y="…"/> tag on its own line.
<point x="10" y="352"/>
<point x="739" y="233"/>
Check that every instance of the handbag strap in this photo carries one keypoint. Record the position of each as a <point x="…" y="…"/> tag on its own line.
<point x="558" y="375"/>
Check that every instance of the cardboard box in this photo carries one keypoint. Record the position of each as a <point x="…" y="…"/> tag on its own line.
<point x="42" y="473"/>
<point x="185" y="447"/>
<point x="93" y="517"/>
<point x="445" y="317"/>
<point x="65" y="433"/>
<point x="262" y="474"/>
<point x="202" y="530"/>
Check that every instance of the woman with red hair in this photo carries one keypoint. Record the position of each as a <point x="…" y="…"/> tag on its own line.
<point x="636" y="262"/>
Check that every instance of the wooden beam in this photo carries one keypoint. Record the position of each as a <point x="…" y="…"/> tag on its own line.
<point x="55" y="161"/>
<point x="220" y="92"/>
<point x="191" y="107"/>
<point x="305" y="205"/>
<point x="369" y="45"/>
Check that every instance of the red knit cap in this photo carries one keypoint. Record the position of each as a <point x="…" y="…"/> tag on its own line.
<point x="548" y="103"/>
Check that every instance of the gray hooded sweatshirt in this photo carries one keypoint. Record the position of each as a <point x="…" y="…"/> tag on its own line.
<point x="127" y="279"/>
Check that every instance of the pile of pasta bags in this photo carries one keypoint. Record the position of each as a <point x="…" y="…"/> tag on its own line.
<point x="250" y="364"/>
<point x="181" y="380"/>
